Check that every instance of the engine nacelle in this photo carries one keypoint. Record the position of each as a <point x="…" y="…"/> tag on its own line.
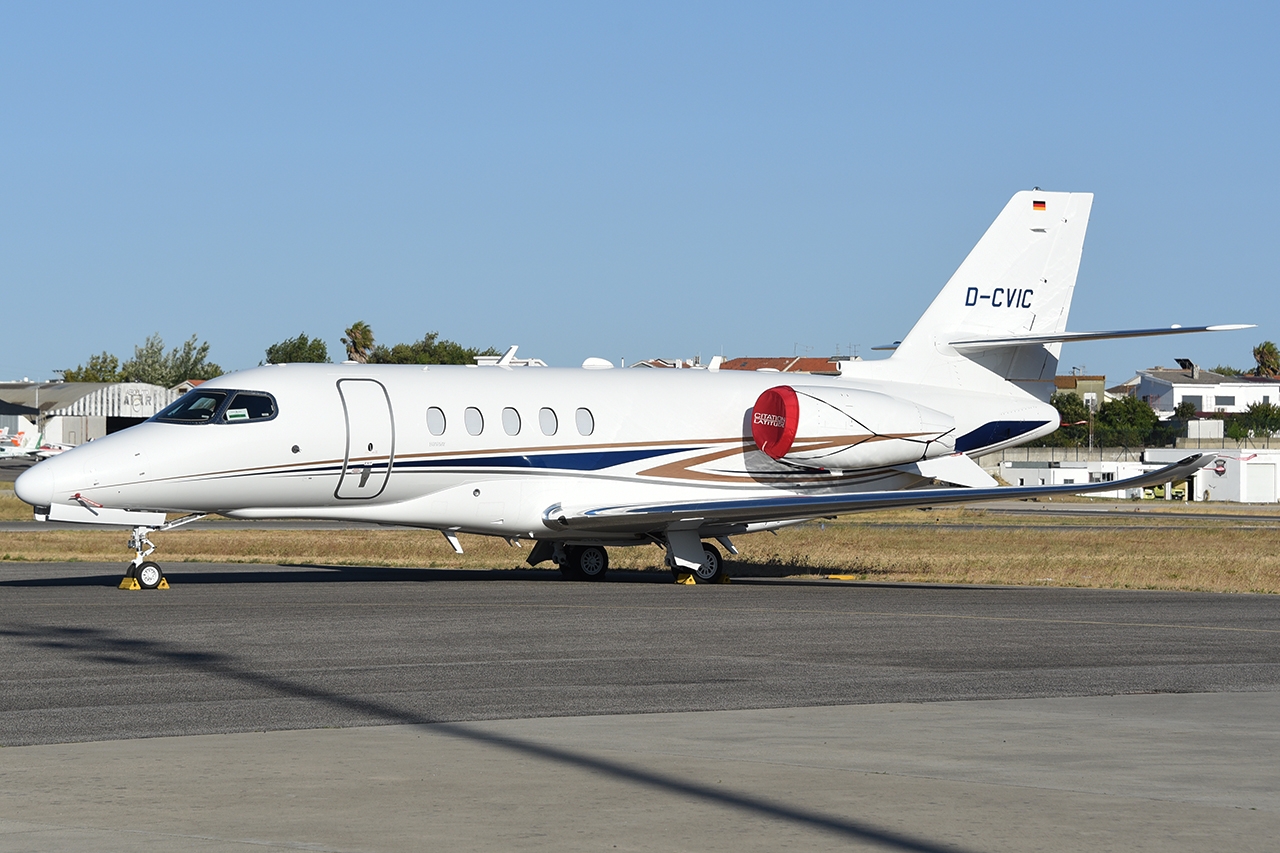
<point x="836" y="428"/>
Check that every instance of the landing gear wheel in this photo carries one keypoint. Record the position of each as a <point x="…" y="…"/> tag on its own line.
<point x="587" y="562"/>
<point x="148" y="575"/>
<point x="712" y="568"/>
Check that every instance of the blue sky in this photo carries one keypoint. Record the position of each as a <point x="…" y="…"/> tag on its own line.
<point x="620" y="180"/>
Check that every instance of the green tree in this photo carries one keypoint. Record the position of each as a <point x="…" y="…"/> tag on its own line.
<point x="298" y="350"/>
<point x="1126" y="422"/>
<point x="1260" y="419"/>
<point x="1073" y="419"/>
<point x="1227" y="370"/>
<point x="101" y="368"/>
<point x="1185" y="411"/>
<point x="358" y="341"/>
<point x="429" y="350"/>
<point x="1268" y="359"/>
<point x="150" y="363"/>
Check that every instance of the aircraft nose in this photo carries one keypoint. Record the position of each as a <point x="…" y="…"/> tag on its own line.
<point x="35" y="485"/>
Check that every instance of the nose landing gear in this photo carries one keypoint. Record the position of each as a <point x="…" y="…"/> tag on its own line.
<point x="142" y="573"/>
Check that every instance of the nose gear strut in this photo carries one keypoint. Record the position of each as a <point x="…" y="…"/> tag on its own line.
<point x="142" y="573"/>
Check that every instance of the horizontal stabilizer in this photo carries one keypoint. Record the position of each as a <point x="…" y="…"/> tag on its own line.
<point x="709" y="514"/>
<point x="1066" y="337"/>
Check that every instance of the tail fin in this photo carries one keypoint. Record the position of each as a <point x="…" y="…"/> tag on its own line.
<point x="1018" y="280"/>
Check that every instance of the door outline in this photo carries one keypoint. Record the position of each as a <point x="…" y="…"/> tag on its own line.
<point x="346" y="458"/>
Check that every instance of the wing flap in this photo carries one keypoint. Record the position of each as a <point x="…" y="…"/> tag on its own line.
<point x="639" y="518"/>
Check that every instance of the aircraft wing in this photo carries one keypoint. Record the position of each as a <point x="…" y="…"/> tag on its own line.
<point x="694" y="514"/>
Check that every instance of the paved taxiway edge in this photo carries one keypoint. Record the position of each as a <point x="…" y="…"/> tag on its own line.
<point x="1146" y="772"/>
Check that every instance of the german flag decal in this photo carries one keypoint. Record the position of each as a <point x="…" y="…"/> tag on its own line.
<point x="1037" y="205"/>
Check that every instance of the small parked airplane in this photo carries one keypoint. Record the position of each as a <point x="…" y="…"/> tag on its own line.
<point x="21" y="445"/>
<point x="50" y="448"/>
<point x="581" y="459"/>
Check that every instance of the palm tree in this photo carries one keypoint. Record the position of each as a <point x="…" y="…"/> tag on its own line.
<point x="359" y="341"/>
<point x="1268" y="358"/>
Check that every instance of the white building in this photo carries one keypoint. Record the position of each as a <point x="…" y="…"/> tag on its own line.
<point x="1237" y="476"/>
<point x="76" y="412"/>
<point x="1240" y="476"/>
<point x="1041" y="473"/>
<point x="1209" y="392"/>
<point x="106" y="410"/>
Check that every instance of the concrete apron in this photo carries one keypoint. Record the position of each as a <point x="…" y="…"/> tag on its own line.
<point x="1146" y="772"/>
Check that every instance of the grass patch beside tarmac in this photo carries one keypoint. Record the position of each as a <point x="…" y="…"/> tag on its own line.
<point x="1138" y="550"/>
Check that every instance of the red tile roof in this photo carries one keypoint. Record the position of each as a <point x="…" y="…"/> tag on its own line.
<point x="783" y="364"/>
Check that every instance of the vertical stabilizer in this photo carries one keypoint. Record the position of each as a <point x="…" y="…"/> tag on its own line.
<point x="1018" y="280"/>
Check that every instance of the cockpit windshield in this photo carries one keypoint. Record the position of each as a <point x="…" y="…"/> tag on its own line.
<point x="250" y="406"/>
<point x="207" y="407"/>
<point x="194" y="407"/>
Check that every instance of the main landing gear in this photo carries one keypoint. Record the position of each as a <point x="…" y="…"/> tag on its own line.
<point x="142" y="573"/>
<point x="710" y="570"/>
<point x="582" y="562"/>
<point x="693" y="561"/>
<point x="690" y="559"/>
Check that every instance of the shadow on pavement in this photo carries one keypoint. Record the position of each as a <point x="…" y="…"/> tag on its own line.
<point x="180" y="574"/>
<point x="261" y="573"/>
<point x="96" y="643"/>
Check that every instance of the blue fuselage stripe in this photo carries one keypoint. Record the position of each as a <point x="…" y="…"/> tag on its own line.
<point x="585" y="461"/>
<point x="994" y="432"/>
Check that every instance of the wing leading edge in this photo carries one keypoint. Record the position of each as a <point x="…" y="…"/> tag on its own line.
<point x="653" y="517"/>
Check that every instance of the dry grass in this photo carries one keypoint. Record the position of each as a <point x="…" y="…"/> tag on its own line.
<point x="1201" y="557"/>
<point x="945" y="546"/>
<point x="12" y="509"/>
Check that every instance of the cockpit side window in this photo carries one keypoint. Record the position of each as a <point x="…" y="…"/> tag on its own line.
<point x="194" y="407"/>
<point x="250" y="406"/>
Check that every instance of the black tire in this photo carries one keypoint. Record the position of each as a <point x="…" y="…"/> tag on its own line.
<point x="712" y="568"/>
<point x="588" y="562"/>
<point x="148" y="575"/>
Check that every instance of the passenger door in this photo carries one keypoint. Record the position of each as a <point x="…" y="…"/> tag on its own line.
<point x="370" y="439"/>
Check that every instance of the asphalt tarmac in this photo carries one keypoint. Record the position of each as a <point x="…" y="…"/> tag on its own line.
<point x="250" y="648"/>
<point x="512" y="710"/>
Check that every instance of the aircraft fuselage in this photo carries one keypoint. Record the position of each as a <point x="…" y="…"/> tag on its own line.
<point x="502" y="446"/>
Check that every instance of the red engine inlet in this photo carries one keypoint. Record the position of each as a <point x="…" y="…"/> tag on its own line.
<point x="774" y="420"/>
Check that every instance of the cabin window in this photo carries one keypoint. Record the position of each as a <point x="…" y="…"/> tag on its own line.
<point x="547" y="421"/>
<point x="249" y="406"/>
<point x="474" y="420"/>
<point x="510" y="421"/>
<point x="435" y="421"/>
<point x="586" y="423"/>
<point x="194" y="407"/>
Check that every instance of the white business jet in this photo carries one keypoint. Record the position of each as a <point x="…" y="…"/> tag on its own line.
<point x="579" y="460"/>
